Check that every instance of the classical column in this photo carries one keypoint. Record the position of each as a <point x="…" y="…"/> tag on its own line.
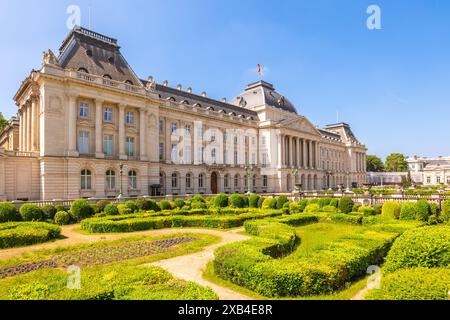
<point x="25" y="127"/>
<point x="305" y="154"/>
<point x="310" y="155"/>
<point x="21" y="125"/>
<point x="291" y="151"/>
<point x="122" y="155"/>
<point x="34" y="131"/>
<point x="98" y="129"/>
<point x="29" y="126"/>
<point x="143" y="134"/>
<point x="280" y="151"/>
<point x="72" y="127"/>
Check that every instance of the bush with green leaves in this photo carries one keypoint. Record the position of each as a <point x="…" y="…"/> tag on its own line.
<point x="253" y="200"/>
<point x="434" y="208"/>
<point x="124" y="209"/>
<point x="345" y="218"/>
<point x="346" y="205"/>
<point x="7" y="212"/>
<point x="281" y="200"/>
<point x="302" y="204"/>
<point x="237" y="201"/>
<point x="111" y="210"/>
<point x="334" y="202"/>
<point x="324" y="202"/>
<point x="285" y="209"/>
<point x="60" y="207"/>
<point x="132" y="206"/>
<point x="366" y="211"/>
<point x="198" y="198"/>
<point x="413" y="284"/>
<point x="179" y="203"/>
<point x="313" y="201"/>
<point x="313" y="207"/>
<point x="408" y="211"/>
<point x="30" y="212"/>
<point x="356" y="207"/>
<point x="294" y="207"/>
<point x="48" y="212"/>
<point x="329" y="209"/>
<point x="102" y="204"/>
<point x="391" y="210"/>
<point x="445" y="210"/>
<point x="165" y="205"/>
<point x="143" y="204"/>
<point x="80" y="210"/>
<point x="433" y="220"/>
<point x="94" y="208"/>
<point x="377" y="208"/>
<point x="16" y="234"/>
<point x="62" y="218"/>
<point x="221" y="200"/>
<point x="422" y="247"/>
<point x="422" y="210"/>
<point x="260" y="202"/>
<point x="269" y="203"/>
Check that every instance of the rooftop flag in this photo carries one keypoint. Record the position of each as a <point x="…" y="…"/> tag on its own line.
<point x="259" y="70"/>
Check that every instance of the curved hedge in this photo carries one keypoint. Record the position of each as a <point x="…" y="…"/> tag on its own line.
<point x="422" y="247"/>
<point x="413" y="284"/>
<point x="15" y="234"/>
<point x="149" y="221"/>
<point x="391" y="209"/>
<point x="251" y="263"/>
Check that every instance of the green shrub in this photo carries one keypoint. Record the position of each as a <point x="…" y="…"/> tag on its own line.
<point x="377" y="208"/>
<point x="15" y="234"/>
<point x="422" y="210"/>
<point x="80" y="210"/>
<point x="313" y="201"/>
<point x="313" y="207"/>
<point x="60" y="207"/>
<point x="260" y="202"/>
<point x="165" y="205"/>
<point x="345" y="218"/>
<point x="329" y="209"/>
<point x="434" y="208"/>
<point x="391" y="209"/>
<point x="30" y="212"/>
<point x="324" y="202"/>
<point x="132" y="206"/>
<point x="94" y="208"/>
<point x="445" y="212"/>
<point x="48" y="212"/>
<point x="346" y="205"/>
<point x="253" y="200"/>
<point x="198" y="205"/>
<point x="179" y="203"/>
<point x="408" y="211"/>
<point x="198" y="198"/>
<point x="356" y="207"/>
<point x="269" y="203"/>
<point x="302" y="204"/>
<point x="7" y="212"/>
<point x="221" y="201"/>
<point x="433" y="220"/>
<point x="111" y="210"/>
<point x="294" y="207"/>
<point x="102" y="204"/>
<point x="413" y="284"/>
<point x="297" y="220"/>
<point x="62" y="218"/>
<point x="422" y="247"/>
<point x="334" y="202"/>
<point x="124" y="209"/>
<point x="281" y="200"/>
<point x="285" y="209"/>
<point x="236" y="201"/>
<point x="366" y="211"/>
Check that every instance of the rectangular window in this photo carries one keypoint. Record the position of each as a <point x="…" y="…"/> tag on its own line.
<point x="265" y="182"/>
<point x="235" y="158"/>
<point x="129" y="146"/>
<point x="187" y="130"/>
<point x="253" y="158"/>
<point x="129" y="118"/>
<point x="161" y="151"/>
<point x="107" y="114"/>
<point x="83" y="142"/>
<point x="161" y="126"/>
<point x="264" y="159"/>
<point x="173" y="153"/>
<point x="108" y="145"/>
<point x="428" y="179"/>
<point x="253" y="141"/>
<point x="84" y="110"/>
<point x="438" y="180"/>
<point x="174" y="128"/>
<point x="187" y="154"/>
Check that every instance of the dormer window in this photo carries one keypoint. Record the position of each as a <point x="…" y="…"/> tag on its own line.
<point x="129" y="82"/>
<point x="111" y="60"/>
<point x="84" y="70"/>
<point x="107" y="76"/>
<point x="89" y="52"/>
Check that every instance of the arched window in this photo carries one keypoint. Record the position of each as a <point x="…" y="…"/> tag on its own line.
<point x="188" y="180"/>
<point x="107" y="76"/>
<point x="132" y="179"/>
<point x="226" y="181"/>
<point x="201" y="180"/>
<point x="174" y="180"/>
<point x="236" y="181"/>
<point x="84" y="70"/>
<point x="110" y="180"/>
<point x="129" y="82"/>
<point x="86" y="179"/>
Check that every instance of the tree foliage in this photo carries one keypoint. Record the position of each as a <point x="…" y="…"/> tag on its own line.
<point x="396" y="162"/>
<point x="374" y="164"/>
<point x="3" y="122"/>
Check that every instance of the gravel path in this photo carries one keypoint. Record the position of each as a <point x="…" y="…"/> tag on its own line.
<point x="191" y="267"/>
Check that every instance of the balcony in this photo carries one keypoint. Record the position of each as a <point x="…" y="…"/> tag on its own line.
<point x="105" y="82"/>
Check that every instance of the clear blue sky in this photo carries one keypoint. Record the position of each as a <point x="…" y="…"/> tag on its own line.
<point x="391" y="85"/>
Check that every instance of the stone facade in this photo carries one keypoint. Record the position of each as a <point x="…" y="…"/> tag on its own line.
<point x="85" y="113"/>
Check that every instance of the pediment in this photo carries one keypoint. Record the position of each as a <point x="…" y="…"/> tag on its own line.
<point x="300" y="124"/>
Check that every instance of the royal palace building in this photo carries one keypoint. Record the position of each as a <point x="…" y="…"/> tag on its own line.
<point x="88" y="127"/>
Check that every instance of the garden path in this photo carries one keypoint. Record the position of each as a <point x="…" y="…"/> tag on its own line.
<point x="191" y="267"/>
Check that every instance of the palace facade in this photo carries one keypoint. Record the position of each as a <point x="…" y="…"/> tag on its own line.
<point x="88" y="127"/>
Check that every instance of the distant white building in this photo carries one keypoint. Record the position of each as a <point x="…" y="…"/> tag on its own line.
<point x="434" y="171"/>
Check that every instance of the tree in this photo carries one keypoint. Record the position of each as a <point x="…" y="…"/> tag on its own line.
<point x="396" y="162"/>
<point x="374" y="164"/>
<point x="3" y="122"/>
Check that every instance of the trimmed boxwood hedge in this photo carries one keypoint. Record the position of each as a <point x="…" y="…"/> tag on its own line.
<point x="346" y="205"/>
<point x="299" y="219"/>
<point x="345" y="218"/>
<point x="423" y="247"/>
<point x="251" y="263"/>
<point x="148" y="221"/>
<point x="408" y="211"/>
<point x="413" y="284"/>
<point x="391" y="209"/>
<point x="15" y="234"/>
<point x="30" y="212"/>
<point x="7" y="212"/>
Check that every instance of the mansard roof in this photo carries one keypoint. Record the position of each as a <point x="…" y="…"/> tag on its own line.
<point x="330" y="135"/>
<point x="343" y="129"/>
<point x="97" y="54"/>
<point x="166" y="92"/>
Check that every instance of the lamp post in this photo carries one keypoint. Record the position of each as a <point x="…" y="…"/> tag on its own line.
<point x="121" y="185"/>
<point x="348" y="184"/>
<point x="248" y="174"/>
<point x="328" y="174"/>
<point x="295" y="175"/>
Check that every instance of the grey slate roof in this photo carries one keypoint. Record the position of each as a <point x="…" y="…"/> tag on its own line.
<point x="98" y="54"/>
